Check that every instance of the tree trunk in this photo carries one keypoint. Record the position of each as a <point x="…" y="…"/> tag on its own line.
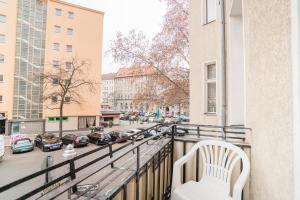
<point x="60" y="120"/>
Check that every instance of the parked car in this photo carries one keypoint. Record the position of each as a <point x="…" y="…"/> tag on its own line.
<point x="1" y="147"/>
<point x="151" y="133"/>
<point x="151" y="119"/>
<point x="76" y="140"/>
<point x="118" y="136"/>
<point x="48" y="141"/>
<point x="131" y="134"/>
<point x="22" y="145"/>
<point x="99" y="138"/>
<point x="165" y="130"/>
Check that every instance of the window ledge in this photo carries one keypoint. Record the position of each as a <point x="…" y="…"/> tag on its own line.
<point x="207" y="23"/>
<point x="210" y="114"/>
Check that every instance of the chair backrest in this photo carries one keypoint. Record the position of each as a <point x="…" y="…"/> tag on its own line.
<point x="219" y="159"/>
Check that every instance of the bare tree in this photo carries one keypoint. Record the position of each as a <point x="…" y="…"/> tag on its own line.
<point x="63" y="83"/>
<point x="167" y="52"/>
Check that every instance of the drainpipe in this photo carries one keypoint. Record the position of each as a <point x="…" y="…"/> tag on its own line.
<point x="223" y="63"/>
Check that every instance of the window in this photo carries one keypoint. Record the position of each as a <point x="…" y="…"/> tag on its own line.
<point x="1" y="98"/>
<point x="1" y="78"/>
<point x="55" y="81"/>
<point x="57" y="29"/>
<point x="209" y="11"/>
<point x="1" y="58"/>
<point x="55" y="63"/>
<point x="71" y="15"/>
<point x="67" y="99"/>
<point x="54" y="99"/>
<point x="56" y="46"/>
<point x="58" y="12"/>
<point x="68" y="65"/>
<point x="2" y="38"/>
<point x="210" y="80"/>
<point x="70" y="31"/>
<point x="69" y="48"/>
<point x="2" y="18"/>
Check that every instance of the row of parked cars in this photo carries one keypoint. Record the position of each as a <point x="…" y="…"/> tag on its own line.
<point x="153" y="118"/>
<point x="49" y="141"/>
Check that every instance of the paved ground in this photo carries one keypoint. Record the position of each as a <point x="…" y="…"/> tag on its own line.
<point x="15" y="166"/>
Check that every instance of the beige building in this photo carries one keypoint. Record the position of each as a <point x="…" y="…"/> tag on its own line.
<point x="36" y="36"/>
<point x="245" y="71"/>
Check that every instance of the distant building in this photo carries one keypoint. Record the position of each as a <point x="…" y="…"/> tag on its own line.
<point x="128" y="83"/>
<point x="107" y="91"/>
<point x="35" y="36"/>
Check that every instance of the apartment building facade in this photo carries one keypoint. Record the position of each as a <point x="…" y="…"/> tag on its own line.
<point x="130" y="82"/>
<point x="245" y="71"/>
<point x="107" y="91"/>
<point x="38" y="36"/>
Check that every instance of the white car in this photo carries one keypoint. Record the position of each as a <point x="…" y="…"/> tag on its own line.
<point x="1" y="147"/>
<point x="132" y="132"/>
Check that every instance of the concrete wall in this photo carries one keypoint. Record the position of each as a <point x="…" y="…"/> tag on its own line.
<point x="70" y="124"/>
<point x="87" y="45"/>
<point x="269" y="97"/>
<point x="8" y="8"/>
<point x="29" y="127"/>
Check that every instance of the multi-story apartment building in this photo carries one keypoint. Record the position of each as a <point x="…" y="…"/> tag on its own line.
<point x="107" y="91"/>
<point x="35" y="35"/>
<point x="245" y="71"/>
<point x="130" y="82"/>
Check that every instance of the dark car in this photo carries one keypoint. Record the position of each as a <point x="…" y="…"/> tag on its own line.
<point x="151" y="133"/>
<point x="99" y="138"/>
<point x="118" y="136"/>
<point x="48" y="142"/>
<point x="22" y="145"/>
<point x="76" y="140"/>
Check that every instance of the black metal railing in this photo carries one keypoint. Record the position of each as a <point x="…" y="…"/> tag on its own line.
<point x="149" y="162"/>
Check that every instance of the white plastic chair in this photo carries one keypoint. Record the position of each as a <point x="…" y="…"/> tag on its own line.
<point x="218" y="161"/>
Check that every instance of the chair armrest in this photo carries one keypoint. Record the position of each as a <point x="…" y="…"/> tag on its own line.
<point x="176" y="180"/>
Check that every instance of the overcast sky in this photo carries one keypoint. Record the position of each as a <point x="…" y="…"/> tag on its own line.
<point x="125" y="15"/>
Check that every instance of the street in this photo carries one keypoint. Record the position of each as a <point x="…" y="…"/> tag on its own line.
<point x="15" y="166"/>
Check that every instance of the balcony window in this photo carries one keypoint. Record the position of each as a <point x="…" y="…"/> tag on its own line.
<point x="56" y="46"/>
<point x="1" y="58"/>
<point x="71" y="15"/>
<point x="70" y="31"/>
<point x="211" y="92"/>
<point x="209" y="11"/>
<point x="55" y="81"/>
<point x="57" y="29"/>
<point x="54" y="99"/>
<point x="69" y="48"/>
<point x="2" y="18"/>
<point x="58" y="12"/>
<point x="67" y="99"/>
<point x="2" y="38"/>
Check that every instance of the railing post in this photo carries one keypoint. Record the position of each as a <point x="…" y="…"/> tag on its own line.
<point x="110" y="154"/>
<point x="137" y="172"/>
<point x="73" y="175"/>
<point x="198" y="131"/>
<point x="172" y="154"/>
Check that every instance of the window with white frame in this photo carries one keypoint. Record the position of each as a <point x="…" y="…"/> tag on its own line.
<point x="56" y="46"/>
<point x="71" y="15"/>
<point x="70" y="31"/>
<point x="210" y="11"/>
<point x="210" y="88"/>
<point x="68" y="65"/>
<point x="69" y="48"/>
<point x="57" y="29"/>
<point x="2" y="38"/>
<point x="2" y="18"/>
<point x="58" y="12"/>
